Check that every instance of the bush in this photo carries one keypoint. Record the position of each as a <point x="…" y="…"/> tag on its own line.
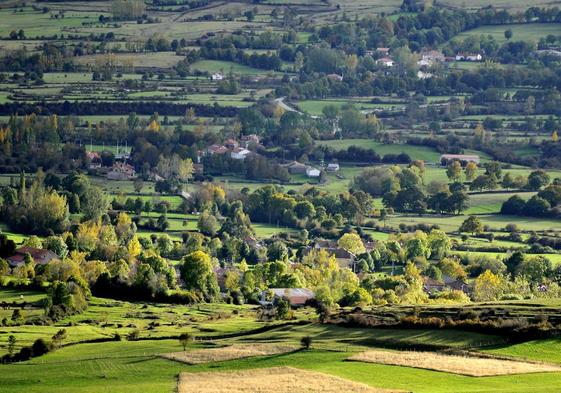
<point x="306" y="342"/>
<point x="40" y="348"/>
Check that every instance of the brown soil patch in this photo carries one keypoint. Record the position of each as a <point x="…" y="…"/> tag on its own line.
<point x="236" y="351"/>
<point x="269" y="380"/>
<point x="464" y="365"/>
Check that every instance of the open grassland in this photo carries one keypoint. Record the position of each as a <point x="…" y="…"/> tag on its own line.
<point x="37" y="24"/>
<point x="276" y="379"/>
<point x="553" y="258"/>
<point x="231" y="352"/>
<point x="104" y="318"/>
<point x="135" y="366"/>
<point x="495" y="222"/>
<point x="315" y="107"/>
<point x="155" y="60"/>
<point x="521" y="32"/>
<point x="415" y="152"/>
<point x="548" y="350"/>
<point x="491" y="203"/>
<point x="464" y="365"/>
<point x="212" y="66"/>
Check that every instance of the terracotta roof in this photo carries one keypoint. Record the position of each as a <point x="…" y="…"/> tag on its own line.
<point x="39" y="255"/>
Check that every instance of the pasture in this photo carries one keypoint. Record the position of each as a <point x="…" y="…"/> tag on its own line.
<point x="315" y="107"/>
<point x="225" y="67"/>
<point x="415" y="152"/>
<point x="521" y="32"/>
<point x="119" y="366"/>
<point x="496" y="222"/>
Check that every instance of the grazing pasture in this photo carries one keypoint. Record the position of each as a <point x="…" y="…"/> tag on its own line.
<point x="211" y="66"/>
<point x="521" y="32"/>
<point x="415" y="152"/>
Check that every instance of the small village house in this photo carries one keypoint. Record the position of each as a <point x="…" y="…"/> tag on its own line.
<point x="121" y="171"/>
<point x="445" y="158"/>
<point x="239" y="153"/>
<point x="333" y="167"/>
<point x="312" y="172"/>
<point x="385" y="62"/>
<point x="40" y="256"/>
<point x="296" y="296"/>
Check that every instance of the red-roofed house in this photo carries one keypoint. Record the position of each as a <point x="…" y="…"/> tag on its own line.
<point x="39" y="255"/>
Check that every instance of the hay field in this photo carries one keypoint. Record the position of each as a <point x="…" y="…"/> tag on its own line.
<point x="236" y="351"/>
<point x="464" y="365"/>
<point x="273" y="380"/>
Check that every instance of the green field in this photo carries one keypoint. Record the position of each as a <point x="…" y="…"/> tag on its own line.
<point x="415" y="152"/>
<point x="315" y="107"/>
<point x="135" y="366"/>
<point x="495" y="221"/>
<point x="225" y="67"/>
<point x="521" y="32"/>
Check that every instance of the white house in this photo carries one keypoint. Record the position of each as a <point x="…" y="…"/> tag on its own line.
<point x="424" y="75"/>
<point x="432" y="55"/>
<point x="335" y="77"/>
<point x="386" y="62"/>
<point x="444" y="158"/>
<point x="469" y="57"/>
<point x="312" y="172"/>
<point x="296" y="296"/>
<point x="239" y="153"/>
<point x="217" y="76"/>
<point x="424" y="63"/>
<point x="333" y="167"/>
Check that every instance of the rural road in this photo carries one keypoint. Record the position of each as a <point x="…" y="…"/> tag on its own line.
<point x="280" y="102"/>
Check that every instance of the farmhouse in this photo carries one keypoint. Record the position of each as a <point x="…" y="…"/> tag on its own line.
<point x="231" y="144"/>
<point x="296" y="296"/>
<point x="333" y="167"/>
<point x="312" y="172"/>
<point x="39" y="255"/>
<point x="385" y="61"/>
<point x="121" y="171"/>
<point x="444" y="158"/>
<point x="217" y="76"/>
<point x="469" y="57"/>
<point x="239" y="153"/>
<point x="424" y="75"/>
<point x="432" y="56"/>
<point x="296" y="167"/>
<point x="431" y="285"/>
<point x="424" y="63"/>
<point x="216" y="149"/>
<point x="383" y="51"/>
<point x="94" y="158"/>
<point x="335" y="77"/>
<point x="250" y="140"/>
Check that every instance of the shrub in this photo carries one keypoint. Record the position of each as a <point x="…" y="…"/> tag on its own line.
<point x="306" y="342"/>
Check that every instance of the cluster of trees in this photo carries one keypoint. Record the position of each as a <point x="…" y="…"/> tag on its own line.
<point x="127" y="9"/>
<point x="544" y="204"/>
<point x="44" y="207"/>
<point x="267" y="61"/>
<point x="404" y="190"/>
<point x="265" y="40"/>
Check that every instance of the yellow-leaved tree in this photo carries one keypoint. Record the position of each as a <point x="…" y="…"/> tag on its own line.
<point x="488" y="286"/>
